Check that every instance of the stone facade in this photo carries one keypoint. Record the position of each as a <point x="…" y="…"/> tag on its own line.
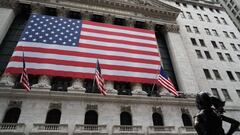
<point x="74" y="103"/>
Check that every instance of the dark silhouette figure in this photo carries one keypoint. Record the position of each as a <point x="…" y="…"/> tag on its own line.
<point x="210" y="117"/>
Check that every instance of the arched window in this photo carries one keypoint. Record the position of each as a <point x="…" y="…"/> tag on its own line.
<point x="187" y="121"/>
<point x="53" y="116"/>
<point x="157" y="119"/>
<point x="12" y="115"/>
<point x="125" y="118"/>
<point x="91" y="117"/>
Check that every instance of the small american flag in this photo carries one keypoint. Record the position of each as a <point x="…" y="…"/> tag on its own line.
<point x="166" y="82"/>
<point x="24" y="77"/>
<point x="99" y="79"/>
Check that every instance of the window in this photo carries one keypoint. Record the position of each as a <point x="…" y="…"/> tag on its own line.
<point x="222" y="45"/>
<point x="226" y="34"/>
<point x="207" y="54"/>
<point x="217" y="20"/>
<point x="201" y="7"/>
<point x="239" y="46"/>
<point x="177" y="3"/>
<point x="226" y="95"/>
<point x="207" y="18"/>
<point x="207" y="31"/>
<point x="189" y="15"/>
<point x="12" y="115"/>
<point x="233" y="47"/>
<point x="202" y="42"/>
<point x="215" y="32"/>
<point x="196" y="29"/>
<point x="217" y="10"/>
<point x="236" y="8"/>
<point x="157" y="119"/>
<point x="207" y="74"/>
<point x="238" y="92"/>
<point x="188" y="28"/>
<point x="224" y="21"/>
<point x="233" y="35"/>
<point x="124" y="88"/>
<point x="229" y="57"/>
<point x="220" y="56"/>
<point x="215" y="92"/>
<point x="238" y="75"/>
<point x="53" y="116"/>
<point x="186" y="118"/>
<point x="199" y="54"/>
<point x="194" y="6"/>
<point x="125" y="118"/>
<point x="91" y="117"/>
<point x="230" y="75"/>
<point x="214" y="44"/>
<point x="211" y="9"/>
<point x="182" y="14"/>
<point x="184" y="4"/>
<point x="217" y="75"/>
<point x="232" y="2"/>
<point x="200" y="17"/>
<point x="194" y="42"/>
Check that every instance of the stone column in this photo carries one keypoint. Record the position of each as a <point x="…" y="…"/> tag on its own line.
<point x="37" y="8"/>
<point x="86" y="15"/>
<point x="77" y="85"/>
<point x="44" y="82"/>
<point x="181" y="63"/>
<point x="109" y="85"/>
<point x="109" y="19"/>
<point x="7" y="80"/>
<point x="130" y="22"/>
<point x="7" y="15"/>
<point x="137" y="89"/>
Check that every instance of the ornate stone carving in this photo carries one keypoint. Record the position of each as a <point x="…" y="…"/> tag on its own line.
<point x="137" y="89"/>
<point x="91" y="107"/>
<point x="7" y="80"/>
<point x="110" y="88"/>
<point x="77" y="84"/>
<point x="15" y="104"/>
<point x="126" y="109"/>
<point x="171" y="28"/>
<point x="43" y="82"/>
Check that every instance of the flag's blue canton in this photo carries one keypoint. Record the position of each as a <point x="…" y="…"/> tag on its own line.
<point x="162" y="73"/>
<point x="52" y="30"/>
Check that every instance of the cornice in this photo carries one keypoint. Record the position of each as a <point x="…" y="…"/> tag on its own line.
<point x="161" y="12"/>
<point x="45" y="94"/>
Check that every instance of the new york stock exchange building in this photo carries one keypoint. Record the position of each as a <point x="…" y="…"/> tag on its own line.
<point x="60" y="41"/>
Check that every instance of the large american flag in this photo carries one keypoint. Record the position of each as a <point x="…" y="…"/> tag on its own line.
<point x="58" y="46"/>
<point x="166" y="82"/>
<point x="99" y="79"/>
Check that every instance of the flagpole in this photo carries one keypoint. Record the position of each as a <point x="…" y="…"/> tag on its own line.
<point x="154" y="81"/>
<point x="94" y="80"/>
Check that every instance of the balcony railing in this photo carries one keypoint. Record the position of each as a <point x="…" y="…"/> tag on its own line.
<point x="125" y="129"/>
<point x="49" y="129"/>
<point x="161" y="130"/>
<point x="89" y="129"/>
<point x="187" y="130"/>
<point x="12" y="128"/>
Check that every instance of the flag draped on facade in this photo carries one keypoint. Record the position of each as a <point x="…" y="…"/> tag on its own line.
<point x="99" y="79"/>
<point x="58" y="46"/>
<point x="166" y="82"/>
<point x="24" y="77"/>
